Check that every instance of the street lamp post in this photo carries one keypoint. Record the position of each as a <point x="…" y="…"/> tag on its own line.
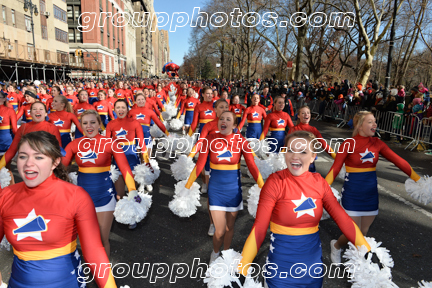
<point x="28" y="5"/>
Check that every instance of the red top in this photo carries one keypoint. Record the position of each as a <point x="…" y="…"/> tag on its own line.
<point x="203" y="113"/>
<point x="276" y="121"/>
<point x="237" y="109"/>
<point x="225" y="150"/>
<point x="280" y="205"/>
<point x="67" y="211"/>
<point x="361" y="154"/>
<point x="14" y="99"/>
<point x="157" y="102"/>
<point x="254" y="114"/>
<point x="104" y="107"/>
<point x="151" y="105"/>
<point x="81" y="107"/>
<point x="124" y="94"/>
<point x="44" y="98"/>
<point x="8" y="119"/>
<point x="188" y="104"/>
<point x="24" y="129"/>
<point x="92" y="92"/>
<point x="63" y="121"/>
<point x="144" y="116"/>
<point x="179" y="100"/>
<point x="24" y="110"/>
<point x="126" y="130"/>
<point x="162" y="95"/>
<point x="313" y="130"/>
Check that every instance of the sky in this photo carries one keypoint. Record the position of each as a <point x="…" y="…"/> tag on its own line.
<point x="178" y="40"/>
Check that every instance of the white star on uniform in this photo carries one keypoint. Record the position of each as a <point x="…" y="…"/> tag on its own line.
<point x="272" y="248"/>
<point x="20" y="222"/>
<point x="77" y="255"/>
<point x="300" y="201"/>
<point x="272" y="238"/>
<point x="369" y="159"/>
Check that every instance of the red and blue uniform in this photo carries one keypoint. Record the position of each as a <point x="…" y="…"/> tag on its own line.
<point x="179" y="101"/>
<point x="124" y="94"/>
<point x="162" y="96"/>
<point x="293" y="207"/>
<point x="42" y="224"/>
<point x="92" y="95"/>
<point x="24" y="129"/>
<point x="63" y="121"/>
<point x="8" y="127"/>
<point x="144" y="116"/>
<point x="24" y="112"/>
<point x="78" y="110"/>
<point x="238" y="111"/>
<point x="224" y="188"/>
<point x="44" y="98"/>
<point x="203" y="113"/>
<point x="360" y="190"/>
<point x="126" y="131"/>
<point x="188" y="108"/>
<point x="103" y="107"/>
<point x="14" y="99"/>
<point x="276" y="121"/>
<point x="254" y="116"/>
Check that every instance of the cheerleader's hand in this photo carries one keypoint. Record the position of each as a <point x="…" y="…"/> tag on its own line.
<point x="133" y="195"/>
<point x="374" y="259"/>
<point x="150" y="167"/>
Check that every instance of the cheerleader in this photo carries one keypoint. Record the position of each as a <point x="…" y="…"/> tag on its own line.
<point x="277" y="121"/>
<point x="103" y="107"/>
<point x="187" y="108"/>
<point x="150" y="104"/>
<point x="144" y="116"/>
<point x="43" y="96"/>
<point x="292" y="202"/>
<point x="162" y="95"/>
<point x="38" y="113"/>
<point x="24" y="110"/>
<point x="224" y="96"/>
<point x="82" y="106"/>
<point x="70" y="96"/>
<point x="46" y="254"/>
<point x="126" y="130"/>
<point x="63" y="118"/>
<point x="237" y="108"/>
<point x="92" y="92"/>
<point x="225" y="194"/>
<point x="122" y="93"/>
<point x="13" y="97"/>
<point x="254" y="114"/>
<point x="181" y="98"/>
<point x="8" y="124"/>
<point x="203" y="112"/>
<point x="360" y="189"/>
<point x="111" y="97"/>
<point x="93" y="156"/>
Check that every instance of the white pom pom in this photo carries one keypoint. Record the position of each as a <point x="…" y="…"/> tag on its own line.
<point x="4" y="244"/>
<point x="5" y="177"/>
<point x="182" y="168"/>
<point x="366" y="273"/>
<point x="170" y="111"/>
<point x="253" y="199"/>
<point x="185" y="144"/>
<point x="251" y="283"/>
<point x="114" y="173"/>
<point x="336" y="193"/>
<point x="166" y="124"/>
<point x="261" y="148"/>
<point x="144" y="175"/>
<point x="156" y="132"/>
<point x="73" y="128"/>
<point x="277" y="162"/>
<point x="342" y="173"/>
<point x="424" y="284"/>
<point x="182" y="117"/>
<point x="103" y="133"/>
<point x="185" y="200"/>
<point x="73" y="176"/>
<point x="265" y="167"/>
<point x="131" y="211"/>
<point x="223" y="270"/>
<point x="176" y="124"/>
<point x="170" y="142"/>
<point x="166" y="115"/>
<point x="421" y="190"/>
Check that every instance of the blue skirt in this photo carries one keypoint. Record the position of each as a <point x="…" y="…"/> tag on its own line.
<point x="105" y="119"/>
<point x="188" y="117"/>
<point x="360" y="194"/>
<point x="58" y="272"/>
<point x="201" y="126"/>
<point x="132" y="156"/>
<point x="278" y="142"/>
<point x="224" y="190"/>
<point x="99" y="186"/>
<point x="254" y="130"/>
<point x="294" y="261"/>
<point x="5" y="139"/>
<point x="65" y="138"/>
<point x="147" y="136"/>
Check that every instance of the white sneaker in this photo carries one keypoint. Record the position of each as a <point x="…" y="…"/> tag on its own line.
<point x="335" y="255"/>
<point x="214" y="256"/>
<point x="3" y="285"/>
<point x="149" y="188"/>
<point x="204" y="188"/>
<point x="211" y="230"/>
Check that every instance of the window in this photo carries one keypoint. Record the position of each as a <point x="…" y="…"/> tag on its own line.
<point x="102" y="37"/>
<point x="42" y="6"/>
<point x="13" y="17"/>
<point x="70" y="12"/>
<point x="78" y="36"/>
<point x="30" y="51"/>
<point x="44" y="32"/>
<point x="71" y="33"/>
<point x="61" y="35"/>
<point x="28" y="23"/>
<point x="4" y="14"/>
<point x="77" y="10"/>
<point x="60" y="14"/>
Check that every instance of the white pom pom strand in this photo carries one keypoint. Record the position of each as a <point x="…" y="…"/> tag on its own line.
<point x="73" y="176"/>
<point x="421" y="190"/>
<point x="176" y="124"/>
<point x="182" y="168"/>
<point x="424" y="284"/>
<point x="265" y="167"/>
<point x="144" y="175"/>
<point x="185" y="200"/>
<point x="114" y="173"/>
<point x="156" y="132"/>
<point x="5" y="177"/>
<point x="253" y="199"/>
<point x="131" y="211"/>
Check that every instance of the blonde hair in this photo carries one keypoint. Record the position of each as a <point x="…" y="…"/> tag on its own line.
<point x="308" y="136"/>
<point x="358" y="120"/>
<point x="64" y="100"/>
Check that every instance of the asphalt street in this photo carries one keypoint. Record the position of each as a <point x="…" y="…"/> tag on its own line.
<point x="162" y="241"/>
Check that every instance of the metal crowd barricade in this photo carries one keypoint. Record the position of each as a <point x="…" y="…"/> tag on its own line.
<point x="350" y="111"/>
<point x="425" y="131"/>
<point x="397" y="124"/>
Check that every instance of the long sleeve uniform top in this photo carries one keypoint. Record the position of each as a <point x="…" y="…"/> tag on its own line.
<point x="276" y="121"/>
<point x="8" y="119"/>
<point x="103" y="107"/>
<point x="280" y="206"/>
<point x="24" y="110"/>
<point x="188" y="104"/>
<point x="254" y="114"/>
<point x="225" y="151"/>
<point x="361" y="154"/>
<point x="63" y="121"/>
<point x="67" y="211"/>
<point x="144" y="116"/>
<point x="314" y="131"/>
<point x="237" y="109"/>
<point x="203" y="113"/>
